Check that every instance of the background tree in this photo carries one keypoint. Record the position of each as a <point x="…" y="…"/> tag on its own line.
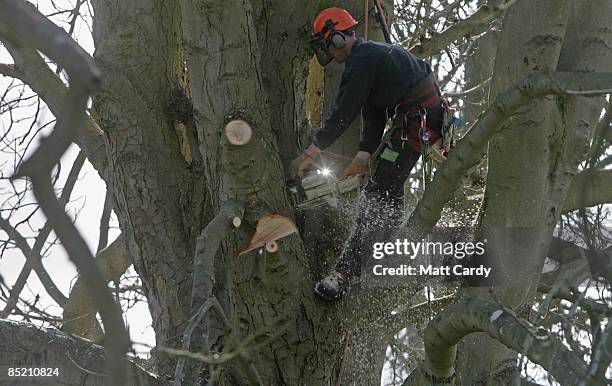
<point x="188" y="197"/>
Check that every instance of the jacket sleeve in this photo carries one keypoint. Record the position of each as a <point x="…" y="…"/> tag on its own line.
<point x="374" y="123"/>
<point x="355" y="87"/>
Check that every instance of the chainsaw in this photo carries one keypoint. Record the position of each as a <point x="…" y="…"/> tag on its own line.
<point x="319" y="187"/>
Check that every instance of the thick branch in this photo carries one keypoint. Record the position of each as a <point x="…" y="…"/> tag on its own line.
<point x="475" y="315"/>
<point x="471" y="147"/>
<point x="207" y="246"/>
<point x="105" y="220"/>
<point x="8" y="70"/>
<point x="117" y="339"/>
<point x="563" y="251"/>
<point x="23" y="25"/>
<point x="79" y="361"/>
<point x="31" y="69"/>
<point x="603" y="134"/>
<point x="80" y="310"/>
<point x="475" y="24"/>
<point x="589" y="188"/>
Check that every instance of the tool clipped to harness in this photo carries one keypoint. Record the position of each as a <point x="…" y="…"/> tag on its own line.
<point x="424" y="133"/>
<point x="450" y="124"/>
<point x="424" y="137"/>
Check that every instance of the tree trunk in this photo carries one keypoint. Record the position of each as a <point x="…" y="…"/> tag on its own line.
<point x="265" y="294"/>
<point x="543" y="139"/>
<point x="157" y="188"/>
<point x="171" y="169"/>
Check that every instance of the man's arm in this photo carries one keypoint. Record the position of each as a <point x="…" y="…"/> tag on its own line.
<point x="357" y="81"/>
<point x="373" y="127"/>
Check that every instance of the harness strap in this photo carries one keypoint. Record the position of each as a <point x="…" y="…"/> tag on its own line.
<point x="424" y="94"/>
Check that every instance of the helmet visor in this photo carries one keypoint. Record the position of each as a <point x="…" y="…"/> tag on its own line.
<point x="319" y="47"/>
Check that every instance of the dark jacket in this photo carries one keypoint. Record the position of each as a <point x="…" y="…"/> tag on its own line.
<point x="377" y="76"/>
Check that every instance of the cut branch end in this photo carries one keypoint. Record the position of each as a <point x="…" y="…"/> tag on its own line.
<point x="272" y="247"/>
<point x="238" y="132"/>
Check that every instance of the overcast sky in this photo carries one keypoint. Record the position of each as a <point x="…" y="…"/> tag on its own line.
<point x="87" y="198"/>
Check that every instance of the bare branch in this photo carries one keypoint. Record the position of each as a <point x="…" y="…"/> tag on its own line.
<point x="477" y="315"/>
<point x="587" y="304"/>
<point x="105" y="219"/>
<point x="80" y="310"/>
<point x="470" y="90"/>
<point x="33" y="258"/>
<point x="204" y="278"/>
<point x="603" y="134"/>
<point x="602" y="354"/>
<point x="117" y="340"/>
<point x="470" y="148"/>
<point x="23" y="25"/>
<point x="8" y="70"/>
<point x="473" y="25"/>
<point x="240" y="353"/>
<point x="31" y="69"/>
<point x="193" y="323"/>
<point x="206" y="248"/>
<point x="589" y="188"/>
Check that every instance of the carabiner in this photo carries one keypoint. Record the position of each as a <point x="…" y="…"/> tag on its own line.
<point x="423" y="114"/>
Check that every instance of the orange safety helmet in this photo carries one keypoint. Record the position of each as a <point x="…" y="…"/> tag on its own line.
<point x="340" y="18"/>
<point x="327" y="29"/>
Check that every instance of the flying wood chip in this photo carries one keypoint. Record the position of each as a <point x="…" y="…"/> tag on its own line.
<point x="269" y="228"/>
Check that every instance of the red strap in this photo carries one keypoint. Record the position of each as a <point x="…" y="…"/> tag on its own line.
<point x="415" y="97"/>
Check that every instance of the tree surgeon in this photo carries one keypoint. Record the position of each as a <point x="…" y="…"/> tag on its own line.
<point x="382" y="81"/>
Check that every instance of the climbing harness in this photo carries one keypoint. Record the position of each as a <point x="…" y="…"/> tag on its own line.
<point x="410" y="125"/>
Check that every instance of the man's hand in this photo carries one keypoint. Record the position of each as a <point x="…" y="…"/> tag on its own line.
<point x="299" y="164"/>
<point x="359" y="165"/>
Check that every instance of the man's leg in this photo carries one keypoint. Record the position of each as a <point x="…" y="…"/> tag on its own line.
<point x="380" y="206"/>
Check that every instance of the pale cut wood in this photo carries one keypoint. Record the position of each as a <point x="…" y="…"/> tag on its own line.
<point x="236" y="221"/>
<point x="272" y="247"/>
<point x="270" y="227"/>
<point x="238" y="132"/>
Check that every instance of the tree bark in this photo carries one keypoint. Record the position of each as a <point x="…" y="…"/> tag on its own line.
<point x="542" y="139"/>
<point x="231" y="57"/>
<point x="79" y="361"/>
<point x="80" y="311"/>
<point x="588" y="188"/>
<point x="158" y="192"/>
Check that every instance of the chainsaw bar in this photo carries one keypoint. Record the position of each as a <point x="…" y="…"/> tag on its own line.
<point x="318" y="190"/>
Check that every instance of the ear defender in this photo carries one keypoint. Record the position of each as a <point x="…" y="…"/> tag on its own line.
<point x="338" y="39"/>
